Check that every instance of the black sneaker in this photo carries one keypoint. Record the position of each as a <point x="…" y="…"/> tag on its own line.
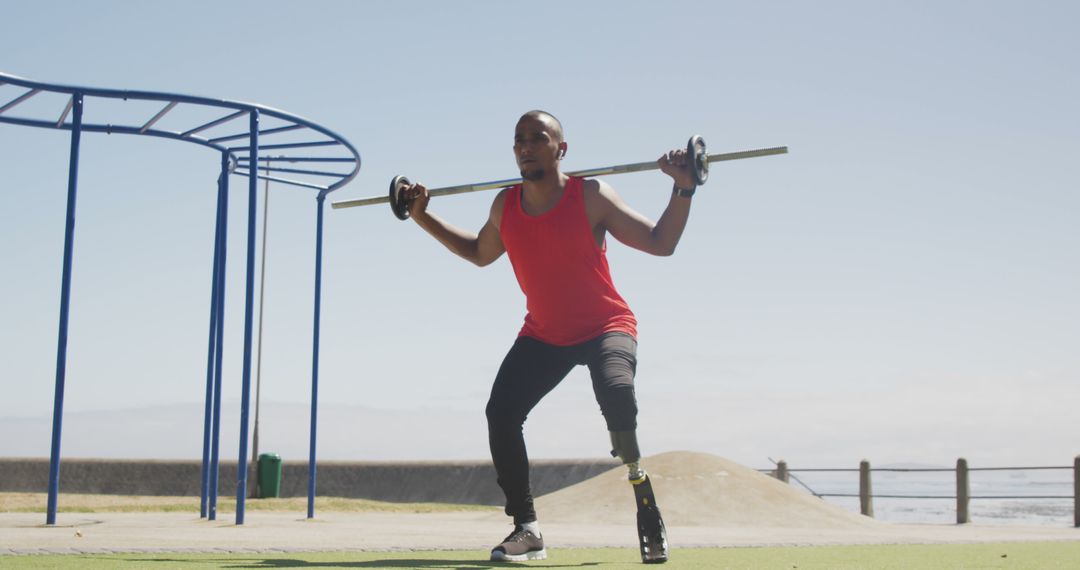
<point x="520" y="546"/>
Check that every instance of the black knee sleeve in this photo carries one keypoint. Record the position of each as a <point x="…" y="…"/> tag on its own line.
<point x="619" y="406"/>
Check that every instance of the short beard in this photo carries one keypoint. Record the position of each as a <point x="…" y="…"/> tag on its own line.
<point x="533" y="175"/>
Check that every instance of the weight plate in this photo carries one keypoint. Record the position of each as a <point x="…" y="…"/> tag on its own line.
<point x="695" y="151"/>
<point x="398" y="204"/>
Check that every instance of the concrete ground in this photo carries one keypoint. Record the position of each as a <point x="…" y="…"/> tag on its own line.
<point x="25" y="533"/>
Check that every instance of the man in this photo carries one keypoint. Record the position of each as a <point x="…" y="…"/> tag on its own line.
<point x="553" y="228"/>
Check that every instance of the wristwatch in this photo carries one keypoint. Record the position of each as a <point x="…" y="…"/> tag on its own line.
<point x="683" y="192"/>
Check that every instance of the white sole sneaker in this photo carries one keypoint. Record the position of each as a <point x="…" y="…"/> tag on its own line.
<point x="500" y="556"/>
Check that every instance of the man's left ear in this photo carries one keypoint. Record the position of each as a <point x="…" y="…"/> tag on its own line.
<point x="562" y="150"/>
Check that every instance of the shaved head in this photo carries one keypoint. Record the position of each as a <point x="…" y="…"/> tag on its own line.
<point x="552" y="123"/>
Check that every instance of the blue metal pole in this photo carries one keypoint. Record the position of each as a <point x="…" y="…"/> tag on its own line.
<point x="208" y="416"/>
<point x="245" y="397"/>
<point x="315" y="356"/>
<point x="218" y="352"/>
<point x="65" y="305"/>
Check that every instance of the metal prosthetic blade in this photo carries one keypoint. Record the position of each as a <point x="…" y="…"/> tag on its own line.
<point x="652" y="536"/>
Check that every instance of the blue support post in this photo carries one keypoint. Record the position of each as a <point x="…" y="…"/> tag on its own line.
<point x="245" y="396"/>
<point x="315" y="355"/>
<point x="211" y="344"/>
<point x="220" y="310"/>
<point x="313" y="137"/>
<point x="65" y="305"/>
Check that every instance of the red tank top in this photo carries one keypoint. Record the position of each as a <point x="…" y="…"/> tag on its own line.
<point x="568" y="289"/>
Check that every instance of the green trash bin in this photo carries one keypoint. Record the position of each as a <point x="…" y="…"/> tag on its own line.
<point x="269" y="475"/>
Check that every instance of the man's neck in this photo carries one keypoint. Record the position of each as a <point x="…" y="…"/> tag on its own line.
<point x="542" y="195"/>
<point x="553" y="183"/>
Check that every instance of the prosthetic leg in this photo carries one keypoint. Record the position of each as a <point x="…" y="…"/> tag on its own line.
<point x="652" y="537"/>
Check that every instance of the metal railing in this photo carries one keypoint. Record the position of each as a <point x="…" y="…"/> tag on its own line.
<point x="963" y="495"/>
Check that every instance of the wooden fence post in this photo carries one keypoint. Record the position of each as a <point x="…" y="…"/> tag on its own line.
<point x="866" y="493"/>
<point x="1076" y="491"/>
<point x="963" y="492"/>
<point x="783" y="475"/>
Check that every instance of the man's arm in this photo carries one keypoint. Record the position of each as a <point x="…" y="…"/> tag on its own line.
<point x="478" y="248"/>
<point x="637" y="231"/>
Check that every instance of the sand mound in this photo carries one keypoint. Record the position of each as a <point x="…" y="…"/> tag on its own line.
<point x="697" y="489"/>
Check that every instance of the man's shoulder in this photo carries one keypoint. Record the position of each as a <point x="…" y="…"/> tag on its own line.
<point x="500" y="197"/>
<point x="596" y="190"/>
<point x="590" y="184"/>
<point x="599" y="198"/>
<point x="498" y="204"/>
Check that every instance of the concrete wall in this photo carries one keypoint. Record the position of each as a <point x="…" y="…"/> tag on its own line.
<point x="442" y="482"/>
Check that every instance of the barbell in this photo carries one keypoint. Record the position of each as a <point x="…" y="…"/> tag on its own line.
<point x="695" y="148"/>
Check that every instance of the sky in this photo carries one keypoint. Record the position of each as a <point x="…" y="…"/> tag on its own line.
<point x="901" y="287"/>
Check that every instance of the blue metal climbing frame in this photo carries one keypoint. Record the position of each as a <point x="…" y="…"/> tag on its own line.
<point x="299" y="141"/>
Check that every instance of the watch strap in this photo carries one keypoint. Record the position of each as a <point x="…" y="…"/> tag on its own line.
<point x="683" y="192"/>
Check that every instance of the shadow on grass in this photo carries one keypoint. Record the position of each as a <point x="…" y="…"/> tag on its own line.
<point x="410" y="563"/>
<point x="386" y="563"/>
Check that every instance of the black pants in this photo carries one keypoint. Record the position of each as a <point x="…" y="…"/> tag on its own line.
<point x="532" y="369"/>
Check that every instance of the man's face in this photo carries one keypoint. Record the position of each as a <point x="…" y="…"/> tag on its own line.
<point x="536" y="148"/>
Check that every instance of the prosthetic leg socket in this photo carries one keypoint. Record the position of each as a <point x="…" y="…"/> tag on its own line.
<point x="625" y="446"/>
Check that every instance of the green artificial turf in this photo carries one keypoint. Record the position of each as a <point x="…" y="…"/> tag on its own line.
<point x="1012" y="555"/>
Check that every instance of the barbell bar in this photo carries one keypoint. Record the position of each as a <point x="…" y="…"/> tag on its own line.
<point x="696" y="148"/>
